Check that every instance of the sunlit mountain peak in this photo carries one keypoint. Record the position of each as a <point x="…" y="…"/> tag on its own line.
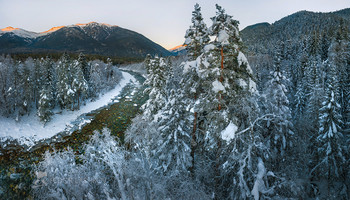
<point x="53" y="29"/>
<point x="9" y="28"/>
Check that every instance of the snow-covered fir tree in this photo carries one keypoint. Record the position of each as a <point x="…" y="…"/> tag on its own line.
<point x="156" y="82"/>
<point x="38" y="80"/>
<point x="173" y="145"/>
<point x="84" y="66"/>
<point x="301" y="87"/>
<point x="45" y="104"/>
<point x="225" y="75"/>
<point x="330" y="140"/>
<point x="225" y="103"/>
<point x="314" y="96"/>
<point x="190" y="85"/>
<point x="279" y="127"/>
<point x="10" y="78"/>
<point x="64" y="82"/>
<point x="197" y="36"/>
<point x="339" y="57"/>
<point x="49" y="78"/>
<point x="26" y="85"/>
<point x="79" y="84"/>
<point x="14" y="92"/>
<point x="216" y="69"/>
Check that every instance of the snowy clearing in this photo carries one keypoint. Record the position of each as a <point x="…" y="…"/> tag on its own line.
<point x="29" y="129"/>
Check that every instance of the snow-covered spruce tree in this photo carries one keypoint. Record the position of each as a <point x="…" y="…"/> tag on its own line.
<point x="197" y="35"/>
<point x="38" y="80"/>
<point x="314" y="96"/>
<point x="84" y="66"/>
<point x="26" y="91"/>
<point x="156" y="82"/>
<point x="226" y="105"/>
<point x="86" y="69"/>
<point x="49" y="78"/>
<point x="45" y="104"/>
<point x="214" y="73"/>
<point x="109" y="70"/>
<point x="173" y="145"/>
<point x="5" y="70"/>
<point x="310" y="122"/>
<point x="79" y="84"/>
<point x="96" y="79"/>
<point x="14" y="92"/>
<point x="301" y="89"/>
<point x="65" y="93"/>
<point x="330" y="141"/>
<point x="9" y="67"/>
<point x="171" y="82"/>
<point x="279" y="128"/>
<point x="339" y="57"/>
<point x="61" y="85"/>
<point x="190" y="85"/>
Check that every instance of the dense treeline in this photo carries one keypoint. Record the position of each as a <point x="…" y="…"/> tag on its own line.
<point x="40" y="85"/>
<point x="214" y="129"/>
<point x="89" y="57"/>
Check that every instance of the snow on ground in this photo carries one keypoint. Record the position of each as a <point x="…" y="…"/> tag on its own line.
<point x="29" y="129"/>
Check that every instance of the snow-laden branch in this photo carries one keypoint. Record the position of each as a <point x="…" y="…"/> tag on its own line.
<point x="313" y="169"/>
<point x="264" y="117"/>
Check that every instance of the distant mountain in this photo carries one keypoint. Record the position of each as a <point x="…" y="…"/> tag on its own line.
<point x="178" y="50"/>
<point x="90" y="38"/>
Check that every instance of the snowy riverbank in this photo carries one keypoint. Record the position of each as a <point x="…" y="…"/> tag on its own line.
<point x="29" y="129"/>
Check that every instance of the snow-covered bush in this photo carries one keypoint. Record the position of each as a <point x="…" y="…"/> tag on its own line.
<point x="107" y="171"/>
<point x="99" y="176"/>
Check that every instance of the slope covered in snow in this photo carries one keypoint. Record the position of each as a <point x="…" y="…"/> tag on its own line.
<point x="30" y="129"/>
<point x="19" y="32"/>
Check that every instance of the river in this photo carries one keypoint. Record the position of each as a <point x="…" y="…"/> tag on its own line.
<point x="16" y="161"/>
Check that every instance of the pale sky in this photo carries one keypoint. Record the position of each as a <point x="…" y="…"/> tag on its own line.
<point x="163" y="21"/>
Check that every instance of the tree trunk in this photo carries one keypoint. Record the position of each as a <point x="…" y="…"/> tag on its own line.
<point x="221" y="74"/>
<point x="222" y="64"/>
<point x="79" y="100"/>
<point x="218" y="153"/>
<point x="217" y="170"/>
<point x="193" y="141"/>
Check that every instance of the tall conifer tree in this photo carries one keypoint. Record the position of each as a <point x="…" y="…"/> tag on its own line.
<point x="197" y="35"/>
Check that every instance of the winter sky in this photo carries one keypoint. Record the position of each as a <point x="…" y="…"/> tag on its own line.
<point x="163" y="21"/>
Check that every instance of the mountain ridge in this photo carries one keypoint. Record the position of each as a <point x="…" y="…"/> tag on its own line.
<point x="51" y="30"/>
<point x="297" y="26"/>
<point x="89" y="38"/>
